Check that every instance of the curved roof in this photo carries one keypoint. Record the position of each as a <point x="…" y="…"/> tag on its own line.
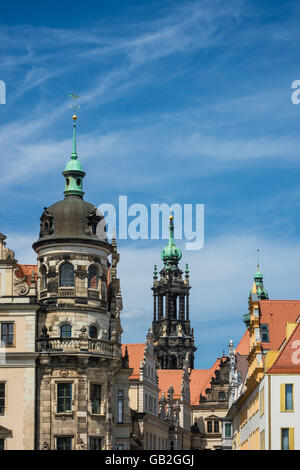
<point x="71" y="218"/>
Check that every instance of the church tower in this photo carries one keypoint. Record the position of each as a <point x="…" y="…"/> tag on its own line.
<point x="257" y="293"/>
<point x="82" y="379"/>
<point x="173" y="336"/>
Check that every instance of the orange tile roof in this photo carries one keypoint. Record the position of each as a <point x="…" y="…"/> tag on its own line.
<point x="276" y="313"/>
<point x="26" y="270"/>
<point x="243" y="348"/>
<point x="136" y="355"/>
<point x="168" y="377"/>
<point x="200" y="381"/>
<point x="288" y="361"/>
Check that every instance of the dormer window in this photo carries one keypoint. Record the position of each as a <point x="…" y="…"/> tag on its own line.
<point x="264" y="331"/>
<point x="66" y="277"/>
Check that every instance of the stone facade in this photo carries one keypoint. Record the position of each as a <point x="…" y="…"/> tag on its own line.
<point x="208" y="414"/>
<point x="18" y="312"/>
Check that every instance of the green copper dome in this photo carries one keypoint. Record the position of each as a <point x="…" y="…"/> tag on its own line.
<point x="261" y="292"/>
<point x="73" y="164"/>
<point x="171" y="252"/>
<point x="258" y="276"/>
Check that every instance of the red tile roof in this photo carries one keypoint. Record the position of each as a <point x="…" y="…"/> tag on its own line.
<point x="136" y="355"/>
<point x="276" y="313"/>
<point x="26" y="270"/>
<point x="243" y="348"/>
<point x="168" y="377"/>
<point x="288" y="360"/>
<point x="200" y="378"/>
<point x="200" y="381"/>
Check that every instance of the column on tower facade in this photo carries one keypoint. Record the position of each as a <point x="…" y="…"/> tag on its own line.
<point x="167" y="315"/>
<point x="174" y="305"/>
<point x="187" y="312"/>
<point x="154" y="307"/>
<point x="160" y="307"/>
<point x="181" y="307"/>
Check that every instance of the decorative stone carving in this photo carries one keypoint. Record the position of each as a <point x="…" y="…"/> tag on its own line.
<point x="52" y="273"/>
<point x="81" y="445"/>
<point x="46" y="226"/>
<point x="21" y="286"/>
<point x="83" y="382"/>
<point x="64" y="417"/>
<point x="179" y="330"/>
<point x="45" y="384"/>
<point x="81" y="272"/>
<point x="114" y="336"/>
<point x="92" y="221"/>
<point x="64" y="373"/>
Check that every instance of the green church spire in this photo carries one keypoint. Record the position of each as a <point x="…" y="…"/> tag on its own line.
<point x="258" y="278"/>
<point x="171" y="254"/>
<point x="73" y="172"/>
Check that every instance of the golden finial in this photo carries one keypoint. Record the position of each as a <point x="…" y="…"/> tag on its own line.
<point x="75" y="106"/>
<point x="171" y="216"/>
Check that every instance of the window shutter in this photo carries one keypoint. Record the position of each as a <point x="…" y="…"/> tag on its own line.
<point x="291" y="439"/>
<point x="282" y="397"/>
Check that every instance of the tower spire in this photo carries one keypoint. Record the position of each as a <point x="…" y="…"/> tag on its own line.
<point x="74" y="155"/>
<point x="173" y="335"/>
<point x="73" y="172"/>
<point x="171" y="254"/>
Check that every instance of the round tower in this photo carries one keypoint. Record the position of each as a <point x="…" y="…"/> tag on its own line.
<point x="79" y="333"/>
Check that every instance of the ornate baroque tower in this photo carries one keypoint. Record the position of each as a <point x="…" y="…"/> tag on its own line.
<point x="257" y="293"/>
<point x="82" y="380"/>
<point x="173" y="336"/>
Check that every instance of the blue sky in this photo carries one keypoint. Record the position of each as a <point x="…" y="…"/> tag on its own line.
<point x="186" y="102"/>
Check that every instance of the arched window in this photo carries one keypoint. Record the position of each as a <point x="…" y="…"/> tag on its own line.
<point x="93" y="333"/>
<point x="67" y="275"/>
<point x="66" y="331"/>
<point x="44" y="277"/>
<point x="92" y="277"/>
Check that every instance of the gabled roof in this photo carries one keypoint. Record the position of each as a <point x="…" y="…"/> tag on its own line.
<point x="243" y="348"/>
<point x="168" y="377"/>
<point x="288" y="360"/>
<point x="136" y="355"/>
<point x="277" y="313"/>
<point x="200" y="381"/>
